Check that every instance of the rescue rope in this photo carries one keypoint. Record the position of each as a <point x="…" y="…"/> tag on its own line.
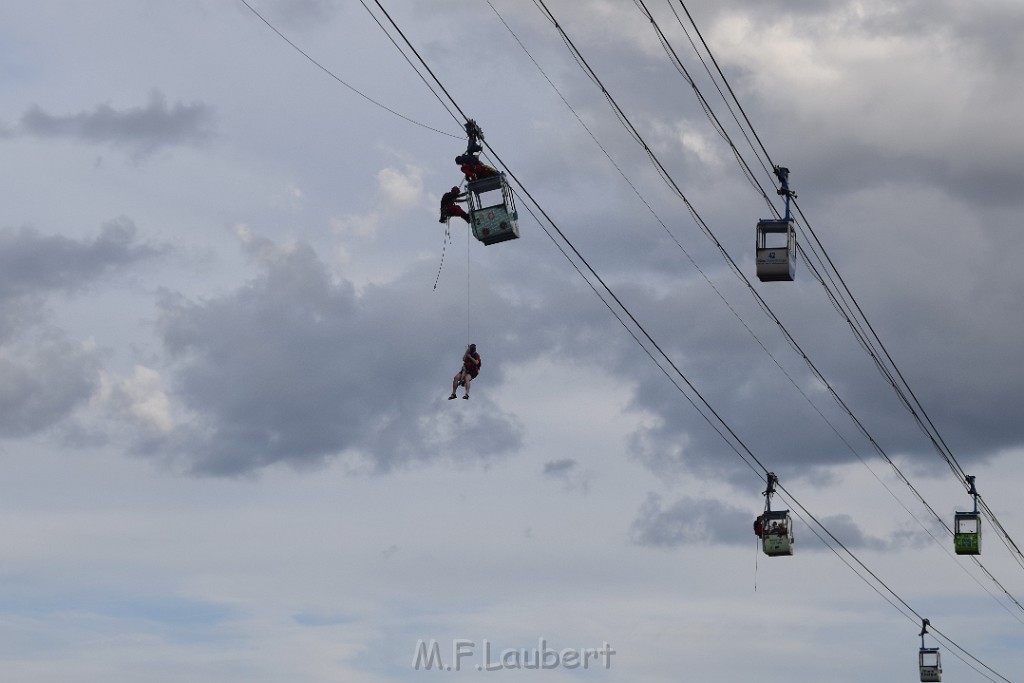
<point x="757" y="550"/>
<point x="444" y="246"/>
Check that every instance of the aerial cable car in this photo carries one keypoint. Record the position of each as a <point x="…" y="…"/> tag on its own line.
<point x="967" y="526"/>
<point x="492" y="207"/>
<point x="774" y="527"/>
<point x="928" y="658"/>
<point x="776" y="239"/>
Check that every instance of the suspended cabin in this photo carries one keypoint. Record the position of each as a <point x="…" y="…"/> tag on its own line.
<point x="776" y="532"/>
<point x="928" y="658"/>
<point x="776" y="239"/>
<point x="776" y="250"/>
<point x="930" y="664"/>
<point x="774" y="527"/>
<point x="967" y="533"/>
<point x="492" y="209"/>
<point x="967" y="526"/>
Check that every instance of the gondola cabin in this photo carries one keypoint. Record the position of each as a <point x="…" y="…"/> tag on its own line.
<point x="930" y="664"/>
<point x="777" y="532"/>
<point x="776" y="250"/>
<point x="967" y="533"/>
<point x="492" y="209"/>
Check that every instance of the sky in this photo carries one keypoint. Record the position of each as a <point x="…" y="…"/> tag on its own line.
<point x="229" y="319"/>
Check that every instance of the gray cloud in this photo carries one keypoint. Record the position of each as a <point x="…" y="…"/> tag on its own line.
<point x="569" y="472"/>
<point x="846" y="530"/>
<point x="31" y="262"/>
<point x="691" y="521"/>
<point x="33" y="265"/>
<point x="45" y="375"/>
<point x="141" y="129"/>
<point x="42" y="380"/>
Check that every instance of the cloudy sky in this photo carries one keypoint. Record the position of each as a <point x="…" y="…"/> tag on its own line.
<point x="226" y="452"/>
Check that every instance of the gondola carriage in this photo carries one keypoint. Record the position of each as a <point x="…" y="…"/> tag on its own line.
<point x="775" y="251"/>
<point x="492" y="209"/>
<point x="929" y="660"/>
<point x="774" y="527"/>
<point x="967" y="526"/>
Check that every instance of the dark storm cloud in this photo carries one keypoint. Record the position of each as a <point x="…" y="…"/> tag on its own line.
<point x="141" y="129"/>
<point x="297" y="368"/>
<point x="44" y="375"/>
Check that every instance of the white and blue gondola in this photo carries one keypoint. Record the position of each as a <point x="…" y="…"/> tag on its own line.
<point x="492" y="209"/>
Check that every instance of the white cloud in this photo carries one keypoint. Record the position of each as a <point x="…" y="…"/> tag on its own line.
<point x="144" y="398"/>
<point x="403" y="188"/>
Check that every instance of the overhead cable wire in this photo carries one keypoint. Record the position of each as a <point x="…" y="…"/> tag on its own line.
<point x="844" y="310"/>
<point x="339" y="79"/>
<point x="864" y="331"/>
<point x="698" y="219"/>
<point x="953" y="464"/>
<point x="702" y="401"/>
<point x="650" y="208"/>
<point x="909" y="400"/>
<point x="707" y="69"/>
<point x="580" y="256"/>
<point x="707" y="230"/>
<point x="895" y="600"/>
<point x="837" y="299"/>
<point x="581" y="60"/>
<point x="722" y="75"/>
<point x="709" y="112"/>
<point x="792" y="381"/>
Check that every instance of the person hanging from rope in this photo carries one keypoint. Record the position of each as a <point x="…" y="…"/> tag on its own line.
<point x="470" y="369"/>
<point x="450" y="207"/>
